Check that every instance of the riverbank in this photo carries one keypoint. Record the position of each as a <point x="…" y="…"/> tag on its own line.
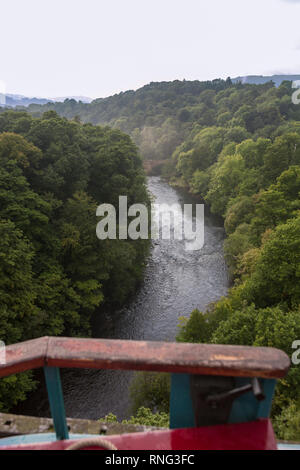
<point x="176" y="282"/>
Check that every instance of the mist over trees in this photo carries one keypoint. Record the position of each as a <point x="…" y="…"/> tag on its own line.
<point x="158" y="116"/>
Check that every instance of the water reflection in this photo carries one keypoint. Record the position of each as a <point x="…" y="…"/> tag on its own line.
<point x="176" y="282"/>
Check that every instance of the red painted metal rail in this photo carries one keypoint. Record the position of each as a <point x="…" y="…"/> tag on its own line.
<point x="205" y="359"/>
<point x="257" y="435"/>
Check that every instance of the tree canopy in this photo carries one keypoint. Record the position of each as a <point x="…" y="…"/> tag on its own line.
<point x="55" y="274"/>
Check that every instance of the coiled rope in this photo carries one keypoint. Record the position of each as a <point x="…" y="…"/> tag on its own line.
<point x="92" y="442"/>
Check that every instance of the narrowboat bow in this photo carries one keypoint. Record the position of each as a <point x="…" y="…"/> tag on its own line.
<point x="221" y="395"/>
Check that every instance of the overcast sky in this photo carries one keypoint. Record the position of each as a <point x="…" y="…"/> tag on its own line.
<point x="99" y="47"/>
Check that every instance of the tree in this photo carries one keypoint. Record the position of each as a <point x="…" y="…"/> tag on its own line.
<point x="54" y="272"/>
<point x="18" y="312"/>
<point x="276" y="277"/>
<point x="152" y="390"/>
<point x="240" y="210"/>
<point x="285" y="151"/>
<point x="225" y="180"/>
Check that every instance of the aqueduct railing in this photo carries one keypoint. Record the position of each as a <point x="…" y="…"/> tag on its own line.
<point x="183" y="360"/>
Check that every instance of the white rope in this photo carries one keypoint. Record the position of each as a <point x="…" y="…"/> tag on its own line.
<point x="92" y="442"/>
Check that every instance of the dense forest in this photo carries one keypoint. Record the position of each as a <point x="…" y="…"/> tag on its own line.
<point x="246" y="167"/>
<point x="157" y="116"/>
<point x="236" y="146"/>
<point x="55" y="274"/>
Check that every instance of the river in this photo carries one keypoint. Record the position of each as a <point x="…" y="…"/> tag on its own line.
<point x="176" y="282"/>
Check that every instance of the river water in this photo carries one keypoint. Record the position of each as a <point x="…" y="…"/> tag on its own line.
<point x="176" y="282"/>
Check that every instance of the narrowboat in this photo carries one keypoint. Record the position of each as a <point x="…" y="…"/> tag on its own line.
<point x="221" y="395"/>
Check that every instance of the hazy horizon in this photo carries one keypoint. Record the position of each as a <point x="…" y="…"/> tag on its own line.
<point x="96" y="49"/>
<point x="129" y="89"/>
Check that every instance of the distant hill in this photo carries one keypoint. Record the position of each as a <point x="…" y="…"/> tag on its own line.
<point x="160" y="115"/>
<point x="260" y="79"/>
<point x="83" y="99"/>
<point x="12" y="100"/>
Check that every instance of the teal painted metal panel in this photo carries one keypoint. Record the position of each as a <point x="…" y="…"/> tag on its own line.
<point x="56" y="401"/>
<point x="244" y="408"/>
<point x="181" y="408"/>
<point x="41" y="437"/>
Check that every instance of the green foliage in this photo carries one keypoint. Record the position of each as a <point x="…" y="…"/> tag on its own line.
<point x="55" y="274"/>
<point x="239" y="210"/>
<point x="276" y="276"/>
<point x="110" y="418"/>
<point x="238" y="328"/>
<point x="18" y="312"/>
<point x="237" y="146"/>
<point x="224" y="184"/>
<point x="253" y="182"/>
<point x="14" y="389"/>
<point x="143" y="417"/>
<point x="229" y="323"/>
<point x="236" y="245"/>
<point x="158" y="116"/>
<point x="287" y="424"/>
<point x="196" y="329"/>
<point x="152" y="390"/>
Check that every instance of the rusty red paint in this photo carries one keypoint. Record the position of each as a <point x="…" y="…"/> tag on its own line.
<point x="255" y="435"/>
<point x="24" y="356"/>
<point x="243" y="361"/>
